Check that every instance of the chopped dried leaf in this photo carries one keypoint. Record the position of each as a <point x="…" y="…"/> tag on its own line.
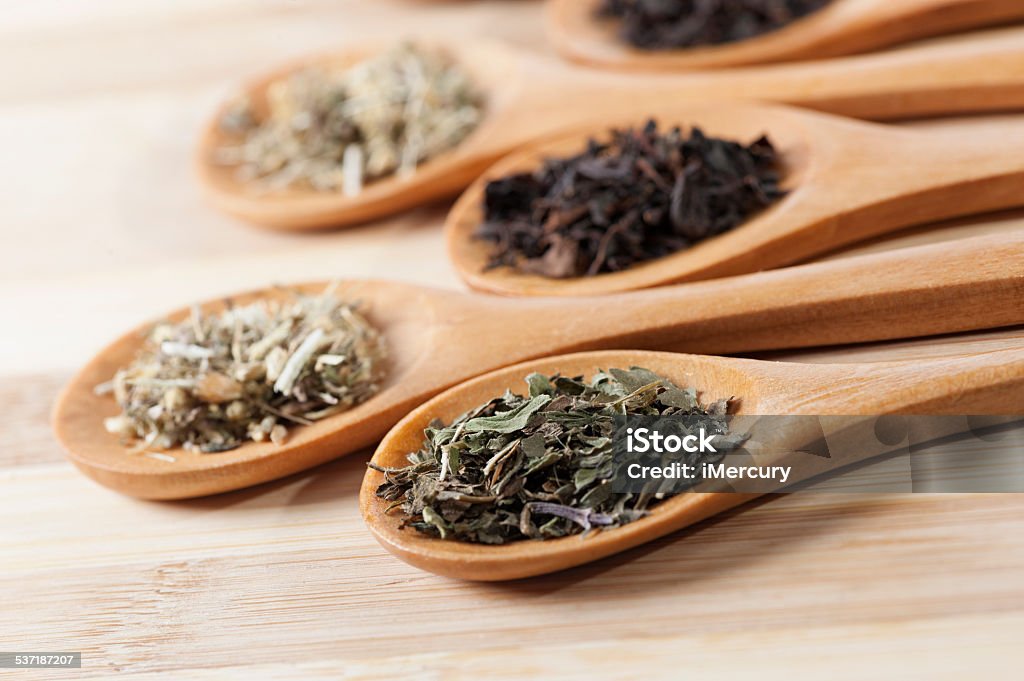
<point x="214" y="381"/>
<point x="667" y="24"/>
<point x="331" y="130"/>
<point x="536" y="466"/>
<point x="639" y="196"/>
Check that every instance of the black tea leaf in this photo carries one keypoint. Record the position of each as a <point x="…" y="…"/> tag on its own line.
<point x="667" y="24"/>
<point x="640" y="196"/>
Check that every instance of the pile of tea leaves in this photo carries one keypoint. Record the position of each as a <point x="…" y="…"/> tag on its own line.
<point x="214" y="381"/>
<point x="667" y="24"/>
<point x="536" y="466"/>
<point x="333" y="129"/>
<point x="641" y="195"/>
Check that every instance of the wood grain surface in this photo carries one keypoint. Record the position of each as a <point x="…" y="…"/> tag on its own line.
<point x="103" y="226"/>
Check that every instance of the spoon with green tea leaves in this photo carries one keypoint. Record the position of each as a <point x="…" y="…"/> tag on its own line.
<point x="495" y="478"/>
<point x="316" y="383"/>
<point x="353" y="136"/>
<point x="707" y="191"/>
<point x="683" y="34"/>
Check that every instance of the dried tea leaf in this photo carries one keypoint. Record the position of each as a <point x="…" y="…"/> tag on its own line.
<point x="667" y="24"/>
<point x="533" y="446"/>
<point x="539" y="385"/>
<point x="681" y="398"/>
<point x="332" y="130"/>
<point x="214" y="381"/>
<point x="536" y="466"/>
<point x="639" y="196"/>
<point x="507" y="422"/>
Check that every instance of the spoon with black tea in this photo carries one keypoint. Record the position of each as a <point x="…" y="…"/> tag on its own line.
<point x="846" y="180"/>
<point x="529" y="96"/>
<point x="436" y="339"/>
<point x="984" y="384"/>
<point x="840" y="27"/>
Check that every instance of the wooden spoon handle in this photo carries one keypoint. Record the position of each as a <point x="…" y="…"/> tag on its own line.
<point x="989" y="383"/>
<point x="850" y="398"/>
<point x="941" y="288"/>
<point x="943" y="397"/>
<point x="904" y="83"/>
<point x="897" y="21"/>
<point x="955" y="169"/>
<point x="844" y="27"/>
<point x="953" y="76"/>
<point x="879" y="181"/>
<point x="960" y="169"/>
<point x="856" y="26"/>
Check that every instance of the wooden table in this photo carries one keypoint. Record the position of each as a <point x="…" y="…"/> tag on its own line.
<point x="103" y="228"/>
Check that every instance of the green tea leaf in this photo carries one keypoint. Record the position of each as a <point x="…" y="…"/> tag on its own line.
<point x="533" y="446"/>
<point x="514" y="469"/>
<point x="431" y="516"/>
<point x="507" y="422"/>
<point x="539" y="385"/>
<point x="679" y="398"/>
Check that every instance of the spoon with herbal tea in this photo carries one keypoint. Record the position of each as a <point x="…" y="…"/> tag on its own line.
<point x="606" y="221"/>
<point x="984" y="384"/>
<point x="434" y="339"/>
<point x="594" y="32"/>
<point x="526" y="96"/>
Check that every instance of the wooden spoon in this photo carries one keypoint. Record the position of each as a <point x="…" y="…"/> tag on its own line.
<point x="842" y="27"/>
<point x="981" y="384"/>
<point x="439" y="338"/>
<point x="531" y="96"/>
<point x="848" y="181"/>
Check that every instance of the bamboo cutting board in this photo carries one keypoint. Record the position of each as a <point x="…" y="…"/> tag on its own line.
<point x="103" y="227"/>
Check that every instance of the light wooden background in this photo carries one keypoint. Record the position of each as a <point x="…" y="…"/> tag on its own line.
<point x="102" y="227"/>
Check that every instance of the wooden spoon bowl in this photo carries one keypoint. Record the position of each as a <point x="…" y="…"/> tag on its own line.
<point x="529" y="97"/>
<point x="847" y="181"/>
<point x="841" y="27"/>
<point x="401" y="313"/>
<point x="300" y="207"/>
<point x="984" y="384"/>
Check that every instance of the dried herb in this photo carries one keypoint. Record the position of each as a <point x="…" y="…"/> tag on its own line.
<point x="214" y="381"/>
<point x="639" y="196"/>
<point x="667" y="24"/>
<point x="536" y="466"/>
<point x="331" y="130"/>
